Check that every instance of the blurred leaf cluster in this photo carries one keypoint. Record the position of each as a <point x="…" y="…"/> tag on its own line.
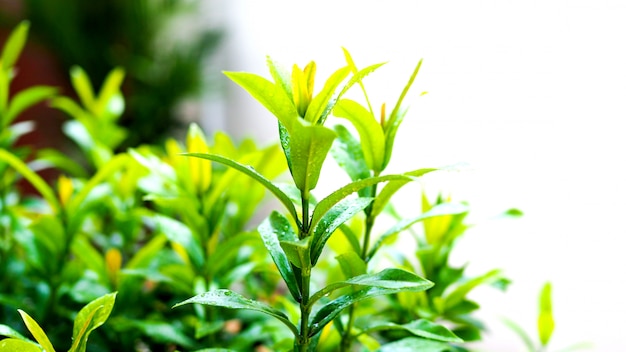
<point x="101" y="35"/>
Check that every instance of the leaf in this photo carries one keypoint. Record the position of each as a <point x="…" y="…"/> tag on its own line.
<point x="229" y="299"/>
<point x="109" y="91"/>
<point x="248" y="170"/>
<point x="331" y="220"/>
<point x="178" y="232"/>
<point x="545" y="321"/>
<point x="352" y="264"/>
<point x="523" y="335"/>
<point x="421" y="327"/>
<point x="36" y="331"/>
<point x="348" y="154"/>
<point x="298" y="251"/>
<point x="200" y="171"/>
<point x="281" y="77"/>
<point x="383" y="197"/>
<point x="8" y="331"/>
<point x="437" y="210"/>
<point x="61" y="161"/>
<point x="35" y="180"/>
<point x="272" y="230"/>
<point x="272" y="97"/>
<point x="327" y="203"/>
<point x="317" y="111"/>
<point x="459" y="293"/>
<point x="160" y="332"/>
<point x="396" y="117"/>
<point x="16" y="345"/>
<point x="386" y="282"/>
<point x="25" y="99"/>
<point x="14" y="45"/>
<point x="370" y="131"/>
<point x="82" y="86"/>
<point x="90" y="317"/>
<point x="411" y="344"/>
<point x="359" y="75"/>
<point x="308" y="148"/>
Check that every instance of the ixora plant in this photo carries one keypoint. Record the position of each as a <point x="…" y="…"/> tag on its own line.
<point x="296" y="241"/>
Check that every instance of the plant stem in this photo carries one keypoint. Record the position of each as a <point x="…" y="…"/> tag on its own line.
<point x="303" y="341"/>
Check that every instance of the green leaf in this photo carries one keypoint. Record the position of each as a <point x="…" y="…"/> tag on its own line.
<point x="248" y="170"/>
<point x="383" y="197"/>
<point x="327" y="203"/>
<point x="25" y="99"/>
<point x="396" y="117"/>
<point x="62" y="162"/>
<point x="16" y="345"/>
<point x="411" y="344"/>
<point x="308" y="148"/>
<point x="386" y="282"/>
<point x="319" y="107"/>
<point x="352" y="264"/>
<point x="229" y="299"/>
<point x="297" y="251"/>
<point x="272" y="230"/>
<point x="458" y="294"/>
<point x="89" y="255"/>
<point x="437" y="210"/>
<point x="282" y="78"/>
<point x="348" y="154"/>
<point x="178" y="232"/>
<point x="36" y="331"/>
<point x="90" y="317"/>
<point x="421" y="327"/>
<point x="35" y="180"/>
<point x="370" y="131"/>
<point x="545" y="321"/>
<point x="332" y="219"/>
<point x="14" y="45"/>
<point x="82" y="86"/>
<point x="108" y="93"/>
<point x="8" y="331"/>
<point x="160" y="332"/>
<point x="271" y="96"/>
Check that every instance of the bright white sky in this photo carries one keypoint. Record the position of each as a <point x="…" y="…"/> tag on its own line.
<point x="529" y="93"/>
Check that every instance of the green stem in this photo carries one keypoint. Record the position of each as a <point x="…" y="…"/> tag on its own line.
<point x="304" y="340"/>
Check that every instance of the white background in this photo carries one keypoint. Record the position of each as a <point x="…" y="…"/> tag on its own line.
<point x="531" y="94"/>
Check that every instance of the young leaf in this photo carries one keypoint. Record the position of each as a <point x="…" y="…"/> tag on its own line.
<point x="318" y="106"/>
<point x="308" y="147"/>
<point x="545" y="321"/>
<point x="297" y="251"/>
<point x="370" y="131"/>
<point x="281" y="77"/>
<point x="14" y="45"/>
<point x="275" y="227"/>
<point x="36" y="331"/>
<point x="229" y="299"/>
<point x="109" y="90"/>
<point x="35" y="180"/>
<point x="90" y="317"/>
<point x="82" y="86"/>
<point x="335" y="217"/>
<point x="523" y="335"/>
<point x="348" y="154"/>
<point x="268" y="94"/>
<point x="421" y="327"/>
<point x="383" y="197"/>
<point x="459" y="293"/>
<point x="352" y="264"/>
<point x="178" y="232"/>
<point x="248" y="170"/>
<point x="25" y="99"/>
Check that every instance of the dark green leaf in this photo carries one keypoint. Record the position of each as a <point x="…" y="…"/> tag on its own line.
<point x="229" y="299"/>
<point x="276" y="226"/>
<point x="412" y="344"/>
<point x="348" y="154"/>
<point x="335" y="217"/>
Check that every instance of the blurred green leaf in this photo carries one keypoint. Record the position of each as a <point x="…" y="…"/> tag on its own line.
<point x="25" y="99"/>
<point x="14" y="45"/>
<point x="411" y="344"/>
<point x="82" y="86"/>
<point x="352" y="264"/>
<point x="545" y="321"/>
<point x="421" y="327"/>
<point x="16" y="345"/>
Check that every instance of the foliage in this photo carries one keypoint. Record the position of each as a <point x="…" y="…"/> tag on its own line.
<point x="185" y="240"/>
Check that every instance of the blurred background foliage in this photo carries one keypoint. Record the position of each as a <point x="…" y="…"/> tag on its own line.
<point x="163" y="71"/>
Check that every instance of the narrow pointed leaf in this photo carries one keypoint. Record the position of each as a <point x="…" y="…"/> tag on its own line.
<point x="327" y="203"/>
<point x="272" y="97"/>
<point x="35" y="180"/>
<point x="297" y="251"/>
<point x="437" y="210"/>
<point x="348" y="154"/>
<point x="14" y="45"/>
<point x="25" y="99"/>
<point x="370" y="131"/>
<point x="229" y="299"/>
<point x="315" y="112"/>
<point x="281" y="77"/>
<point x="522" y="334"/>
<point x="421" y="327"/>
<point x="36" y="331"/>
<point x="110" y="88"/>
<point x="335" y="217"/>
<point x="458" y="294"/>
<point x="178" y="232"/>
<point x="386" y="282"/>
<point x="411" y="344"/>
<point x="274" y="228"/>
<point x="391" y="188"/>
<point x="359" y="75"/>
<point x="250" y="171"/>
<point x="82" y="86"/>
<point x="545" y="321"/>
<point x="352" y="264"/>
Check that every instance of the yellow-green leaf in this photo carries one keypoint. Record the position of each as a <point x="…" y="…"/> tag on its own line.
<point x="36" y="331"/>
